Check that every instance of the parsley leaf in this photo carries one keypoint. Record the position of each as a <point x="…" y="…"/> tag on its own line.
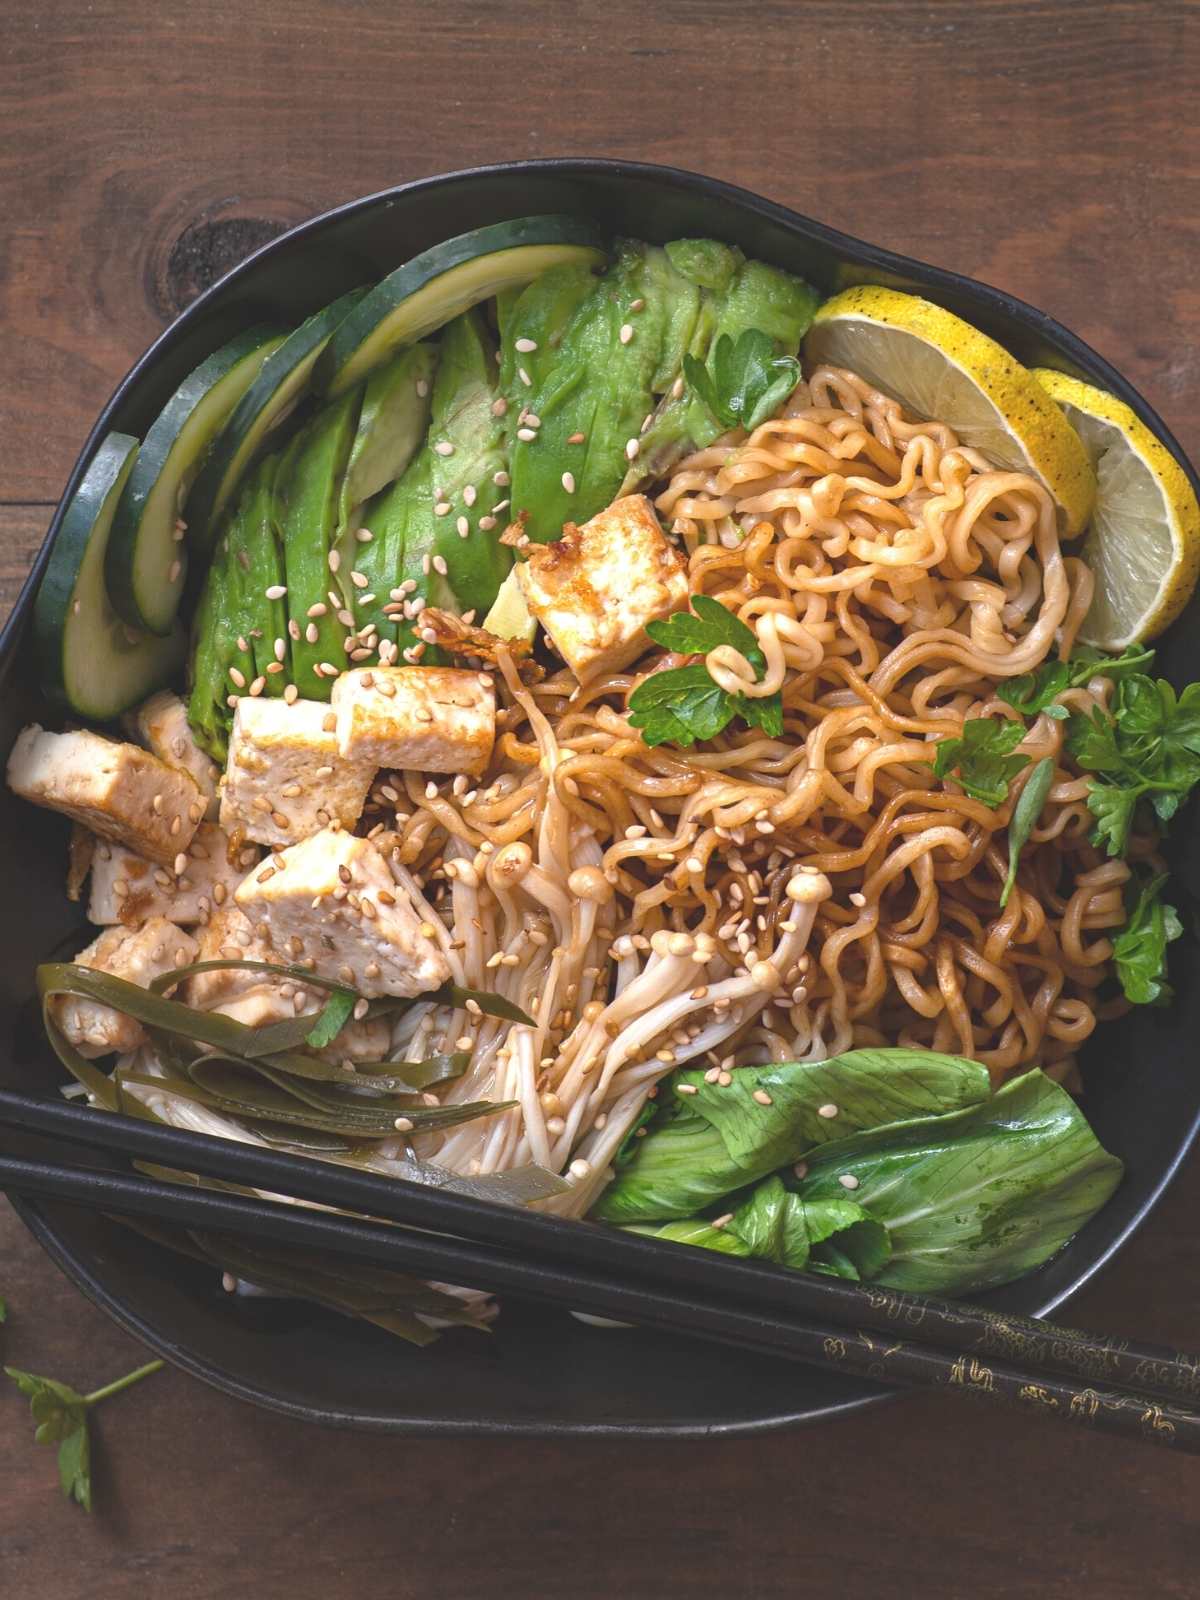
<point x="747" y="382"/>
<point x="1140" y="949"/>
<point x="1024" y="818"/>
<point x="684" y="704"/>
<point x="61" y="1416"/>
<point x="332" y="1018"/>
<point x="1037" y="691"/>
<point x="980" y="758"/>
<point x="1146" y="748"/>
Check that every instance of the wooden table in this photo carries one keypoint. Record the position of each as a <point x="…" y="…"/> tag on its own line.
<point x="1044" y="146"/>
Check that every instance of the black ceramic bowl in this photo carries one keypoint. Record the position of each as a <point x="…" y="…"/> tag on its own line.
<point x="540" y="1373"/>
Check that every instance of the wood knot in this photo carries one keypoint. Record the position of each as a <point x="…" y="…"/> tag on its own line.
<point x="186" y="261"/>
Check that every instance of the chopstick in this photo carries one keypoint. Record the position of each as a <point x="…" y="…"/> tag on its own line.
<point x="920" y="1319"/>
<point x="663" y="1305"/>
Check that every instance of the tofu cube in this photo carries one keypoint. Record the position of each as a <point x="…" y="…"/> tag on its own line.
<point x="285" y="779"/>
<point x="595" y="590"/>
<point x="127" y="888"/>
<point x="416" y="719"/>
<point x="363" y="929"/>
<point x="162" y="725"/>
<point x="117" y="790"/>
<point x="258" y="998"/>
<point x="139" y="957"/>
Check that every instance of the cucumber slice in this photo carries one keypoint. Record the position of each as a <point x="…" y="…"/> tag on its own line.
<point x="89" y="660"/>
<point x="436" y="286"/>
<point x="144" y="565"/>
<point x="279" y="387"/>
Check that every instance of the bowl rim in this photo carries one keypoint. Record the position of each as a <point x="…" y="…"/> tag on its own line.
<point x="1089" y="360"/>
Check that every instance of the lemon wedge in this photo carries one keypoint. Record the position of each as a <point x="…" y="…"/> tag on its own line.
<point x="942" y="369"/>
<point x="1143" y="545"/>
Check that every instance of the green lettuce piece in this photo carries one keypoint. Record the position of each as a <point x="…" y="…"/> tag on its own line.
<point x="724" y="1138"/>
<point x="980" y="1196"/>
<point x="777" y="1224"/>
<point x="697" y="1231"/>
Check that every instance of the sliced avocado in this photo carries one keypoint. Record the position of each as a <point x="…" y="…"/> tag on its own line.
<point x="221" y="632"/>
<point x="391" y="428"/>
<point x="538" y="315"/>
<point x="510" y="617"/>
<point x="593" y="396"/>
<point x="751" y="294"/>
<point x="307" y="492"/>
<point x="456" y="469"/>
<point x="265" y="576"/>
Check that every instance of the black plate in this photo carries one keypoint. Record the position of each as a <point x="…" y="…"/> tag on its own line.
<point x="540" y="1373"/>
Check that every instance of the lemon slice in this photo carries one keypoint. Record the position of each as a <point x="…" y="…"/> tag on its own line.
<point x="1144" y="541"/>
<point x="944" y="370"/>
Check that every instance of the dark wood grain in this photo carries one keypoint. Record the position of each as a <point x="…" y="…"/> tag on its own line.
<point x="1045" y="146"/>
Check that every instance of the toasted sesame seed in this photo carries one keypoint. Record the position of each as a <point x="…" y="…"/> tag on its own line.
<point x="829" y="1110"/>
<point x="259" y="684"/>
<point x="442" y="509"/>
<point x="576" y="438"/>
<point x="237" y="677"/>
<point x="463" y="527"/>
<point x="763" y="1098"/>
<point x="329" y="722"/>
<point x="346" y="618"/>
<point x="291" y="694"/>
<point x="242" y="645"/>
<point x="626" y="332"/>
<point x="360" y="580"/>
<point x="335" y="561"/>
<point x="317" y="610"/>
<point x="293" y="629"/>
<point x="444" y="447"/>
<point x="632" y="448"/>
<point x="439" y="564"/>
<point x="312" y="633"/>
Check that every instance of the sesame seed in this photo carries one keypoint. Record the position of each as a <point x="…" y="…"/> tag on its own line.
<point x="293" y="629"/>
<point x="444" y="447"/>
<point x="180" y="864"/>
<point x="525" y="346"/>
<point x="524" y="377"/>
<point x="694" y="864"/>
<point x="364" y="535"/>
<point x="360" y="580"/>
<point x="403" y="1124"/>
<point x="568" y="482"/>
<point x="724" y="1079"/>
<point x="763" y="1098"/>
<point x="848" y="1180"/>
<point x="174" y="570"/>
<point x="442" y="509"/>
<point x="576" y="438"/>
<point x="632" y="448"/>
<point x="463" y="527"/>
<point x="280" y="649"/>
<point x="722" y="1221"/>
<point x="346" y="618"/>
<point x="317" y="610"/>
<point x="686" y="1088"/>
<point x="425" y="560"/>
<point x="829" y="1110"/>
<point x="335" y="561"/>
<point x="439" y="564"/>
<point x="858" y="899"/>
<point x="626" y="332"/>
<point x="259" y="684"/>
<point x="238" y="677"/>
<point x="677" y="389"/>
<point x="329" y="722"/>
<point x="499" y="407"/>
<point x="470" y="494"/>
<point x="242" y="645"/>
<point x="501" y="479"/>
<point x="580" y="1168"/>
<point x="487" y="524"/>
<point x="312" y="633"/>
<point x="291" y="694"/>
<point x="275" y="591"/>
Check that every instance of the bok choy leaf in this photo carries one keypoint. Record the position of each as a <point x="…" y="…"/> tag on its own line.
<point x="723" y="1138"/>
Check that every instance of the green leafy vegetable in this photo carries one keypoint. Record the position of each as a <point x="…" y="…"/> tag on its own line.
<point x="1140" y="949"/>
<point x="334" y="1016"/>
<point x="695" y="1231"/>
<point x="980" y="758"/>
<point x="701" y="1148"/>
<point x="977" y="1197"/>
<point x="61" y="1417"/>
<point x="777" y="1224"/>
<point x="1024" y="818"/>
<point x="1036" y="691"/>
<point x="684" y="704"/>
<point x="744" y="383"/>
<point x="1147" y="748"/>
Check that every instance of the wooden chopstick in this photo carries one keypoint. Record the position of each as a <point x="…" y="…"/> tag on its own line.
<point x="983" y="1334"/>
<point x="662" y="1305"/>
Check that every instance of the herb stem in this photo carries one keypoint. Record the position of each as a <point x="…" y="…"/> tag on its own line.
<point x="122" y="1383"/>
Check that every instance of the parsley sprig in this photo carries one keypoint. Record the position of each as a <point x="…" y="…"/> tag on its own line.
<point x="747" y="382"/>
<point x="1140" y="949"/>
<point x="979" y="759"/>
<point x="684" y="704"/>
<point x="1039" y="690"/>
<point x="61" y="1417"/>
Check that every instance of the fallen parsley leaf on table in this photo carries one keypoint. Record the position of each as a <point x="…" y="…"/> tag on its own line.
<point x="684" y="704"/>
<point x="979" y="759"/>
<point x="61" y="1415"/>
<point x="748" y="380"/>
